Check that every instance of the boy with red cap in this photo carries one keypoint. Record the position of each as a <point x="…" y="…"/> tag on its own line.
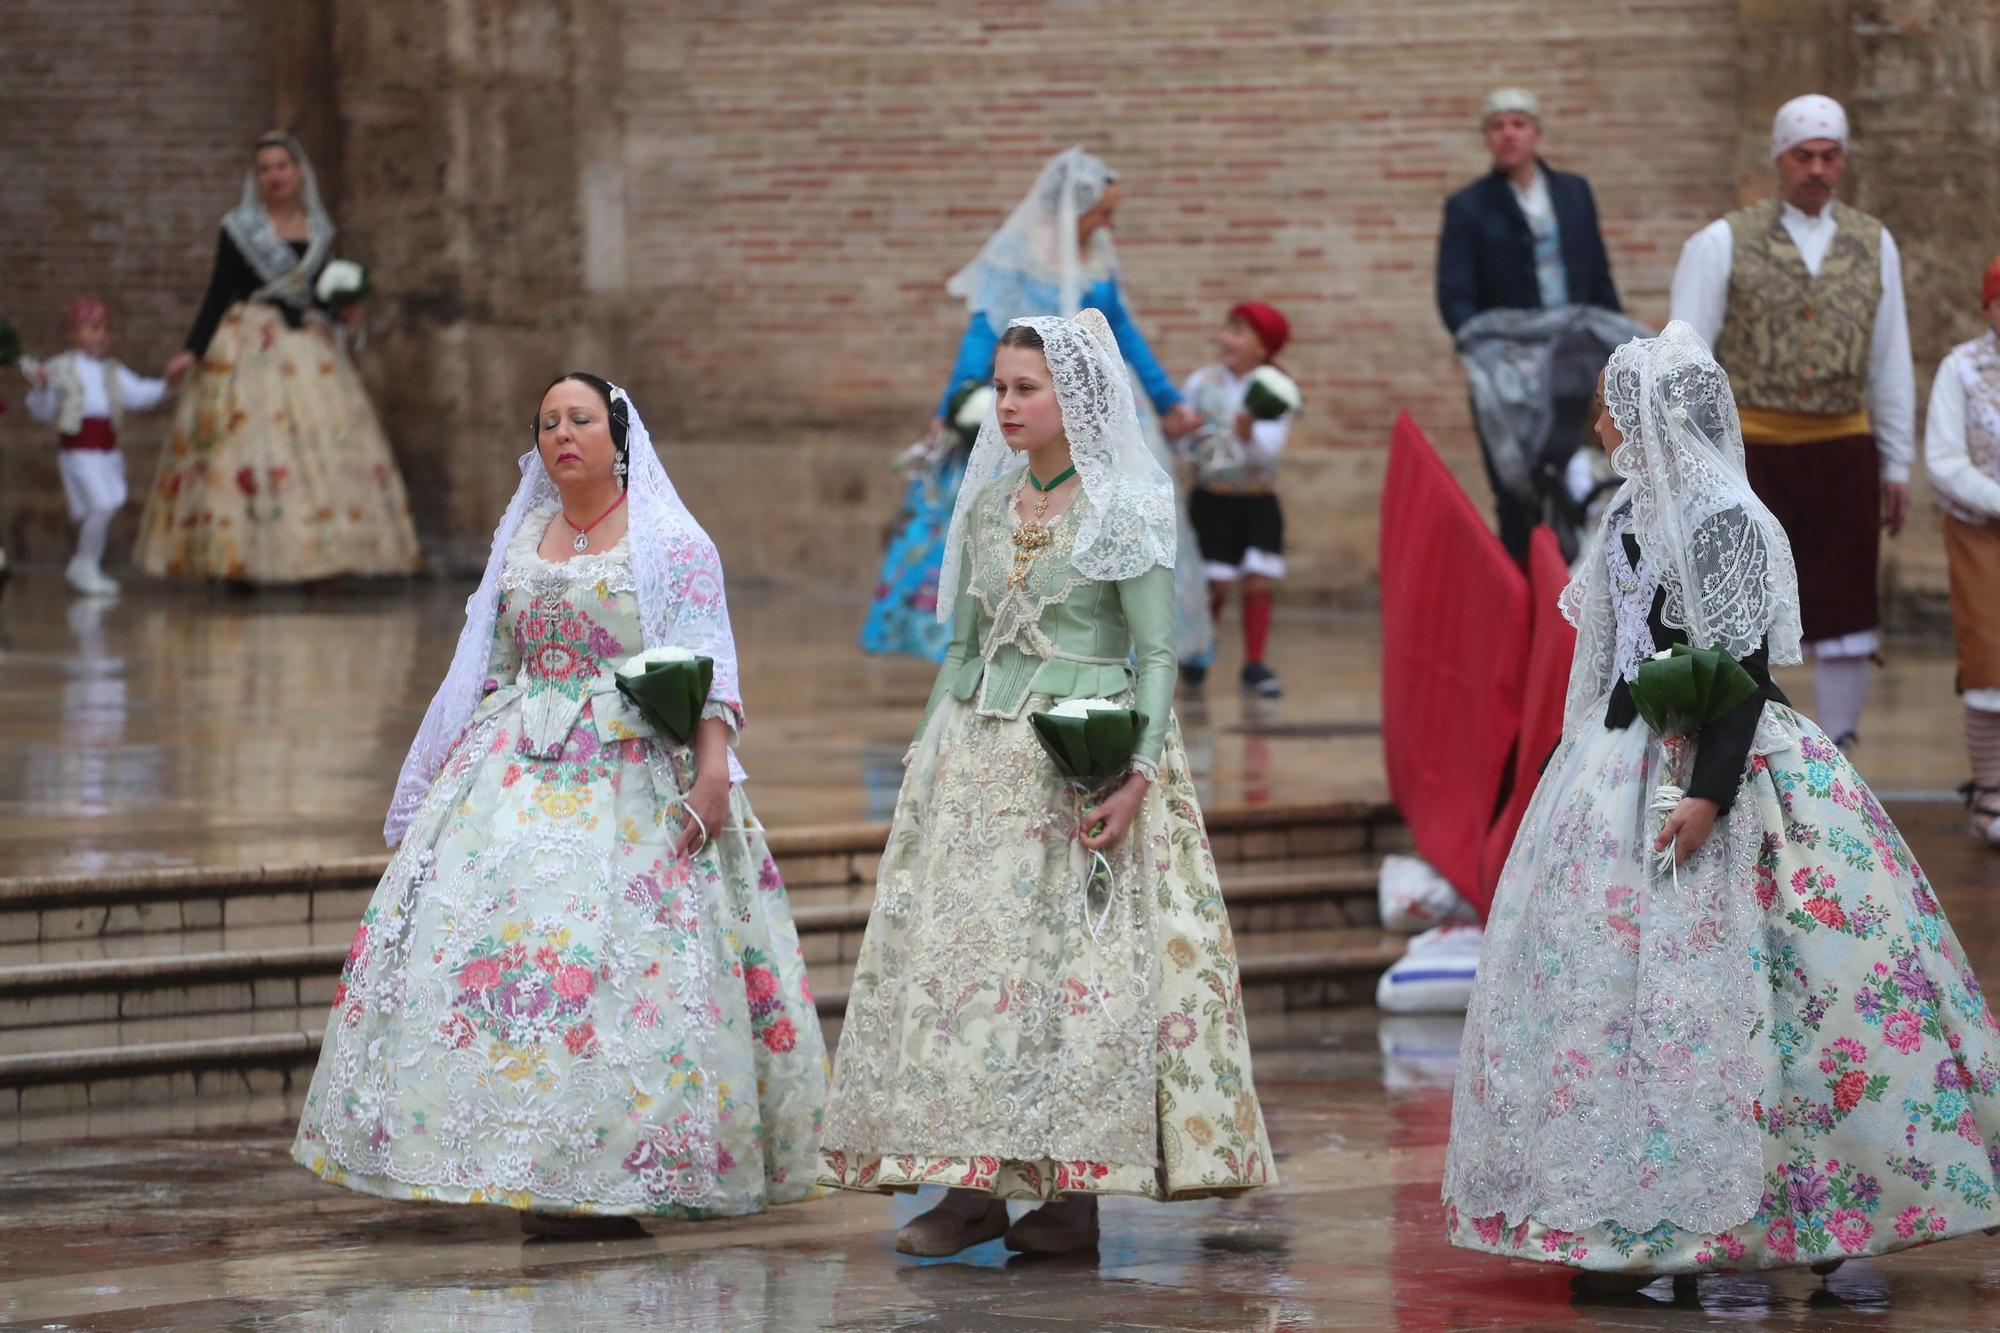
<point x="85" y="396"/>
<point x="1962" y="455"/>
<point x="1234" y="505"/>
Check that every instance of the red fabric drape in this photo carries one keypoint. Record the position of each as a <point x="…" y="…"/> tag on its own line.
<point x="1454" y="659"/>
<point x="1551" y="644"/>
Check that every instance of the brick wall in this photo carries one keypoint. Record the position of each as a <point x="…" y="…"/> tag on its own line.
<point x="125" y="126"/>
<point x="747" y="210"/>
<point x="804" y="178"/>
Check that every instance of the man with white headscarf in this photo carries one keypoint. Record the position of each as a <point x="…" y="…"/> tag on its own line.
<point x="1802" y="299"/>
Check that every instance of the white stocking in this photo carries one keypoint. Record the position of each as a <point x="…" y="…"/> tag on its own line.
<point x="90" y="536"/>
<point x="1840" y="685"/>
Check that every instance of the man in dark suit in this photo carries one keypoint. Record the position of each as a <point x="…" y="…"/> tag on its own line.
<point x="1524" y="236"/>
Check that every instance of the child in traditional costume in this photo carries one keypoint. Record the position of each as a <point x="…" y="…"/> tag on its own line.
<point x="1721" y="1021"/>
<point x="1234" y="504"/>
<point x="85" y="395"/>
<point x="1962" y="455"/>
<point x="1020" y="1027"/>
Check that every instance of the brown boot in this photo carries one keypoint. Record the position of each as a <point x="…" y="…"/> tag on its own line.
<point x="1063" y="1227"/>
<point x="963" y="1219"/>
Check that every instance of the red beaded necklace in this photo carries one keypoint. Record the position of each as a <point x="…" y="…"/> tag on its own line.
<point x="582" y="542"/>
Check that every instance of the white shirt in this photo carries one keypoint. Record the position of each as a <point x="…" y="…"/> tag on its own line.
<point x="1267" y="438"/>
<point x="1701" y="297"/>
<point x="1969" y="494"/>
<point x="136" y="393"/>
<point x="1551" y="275"/>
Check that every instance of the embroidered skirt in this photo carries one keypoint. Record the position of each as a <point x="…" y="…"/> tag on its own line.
<point x="1011" y="1031"/>
<point x="1783" y="1058"/>
<point x="277" y="471"/>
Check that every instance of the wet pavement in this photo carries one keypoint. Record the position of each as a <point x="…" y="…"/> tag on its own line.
<point x="221" y="1231"/>
<point x="182" y="726"/>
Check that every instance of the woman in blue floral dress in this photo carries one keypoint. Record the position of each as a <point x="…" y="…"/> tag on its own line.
<point x="578" y="990"/>
<point x="1053" y="256"/>
<point x="1721" y="1021"/>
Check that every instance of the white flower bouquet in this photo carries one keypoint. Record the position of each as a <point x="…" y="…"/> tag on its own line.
<point x="970" y="407"/>
<point x="341" y="283"/>
<point x="1271" y="394"/>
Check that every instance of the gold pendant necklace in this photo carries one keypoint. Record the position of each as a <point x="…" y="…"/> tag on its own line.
<point x="1033" y="537"/>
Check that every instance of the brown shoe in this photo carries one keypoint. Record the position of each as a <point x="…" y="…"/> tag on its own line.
<point x="963" y="1219"/>
<point x="562" y="1226"/>
<point x="1063" y="1227"/>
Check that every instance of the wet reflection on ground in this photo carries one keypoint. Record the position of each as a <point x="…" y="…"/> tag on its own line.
<point x="223" y="1232"/>
<point x="182" y="726"/>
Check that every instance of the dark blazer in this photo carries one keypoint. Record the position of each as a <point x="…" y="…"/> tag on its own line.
<point x="1486" y="256"/>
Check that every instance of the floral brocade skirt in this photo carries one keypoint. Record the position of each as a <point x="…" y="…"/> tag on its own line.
<point x="546" y="1009"/>
<point x="1017" y="1029"/>
<point x="277" y="470"/>
<point x="902" y="618"/>
<point x="1780" y="1056"/>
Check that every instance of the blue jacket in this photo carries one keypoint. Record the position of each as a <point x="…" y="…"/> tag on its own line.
<point x="1486" y="256"/>
<point x="975" y="349"/>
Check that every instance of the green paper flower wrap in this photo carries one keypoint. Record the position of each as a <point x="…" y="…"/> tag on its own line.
<point x="1091" y="746"/>
<point x="669" y="686"/>
<point x="1682" y="690"/>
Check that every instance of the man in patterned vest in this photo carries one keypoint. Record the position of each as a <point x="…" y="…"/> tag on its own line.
<point x="1802" y="299"/>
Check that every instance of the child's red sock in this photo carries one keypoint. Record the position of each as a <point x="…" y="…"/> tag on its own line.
<point x="1256" y="625"/>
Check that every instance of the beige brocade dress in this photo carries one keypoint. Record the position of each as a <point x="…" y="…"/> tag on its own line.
<point x="993" y="1040"/>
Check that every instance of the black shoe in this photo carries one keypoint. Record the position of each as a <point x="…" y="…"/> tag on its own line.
<point x="1261" y="681"/>
<point x="1193" y="674"/>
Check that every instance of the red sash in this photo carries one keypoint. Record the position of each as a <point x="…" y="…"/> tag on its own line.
<point x="93" y="433"/>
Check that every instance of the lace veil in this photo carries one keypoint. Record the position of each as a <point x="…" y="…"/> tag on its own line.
<point x="679" y="579"/>
<point x="287" y="277"/>
<point x="1128" y="525"/>
<point x="1721" y="555"/>
<point x="1036" y="251"/>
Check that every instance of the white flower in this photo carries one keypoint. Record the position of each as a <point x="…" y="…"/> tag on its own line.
<point x="974" y="409"/>
<point x="340" y="278"/>
<point x="1085" y="707"/>
<point x="1276" y="388"/>
<point x="1664" y="655"/>
<point x="637" y="663"/>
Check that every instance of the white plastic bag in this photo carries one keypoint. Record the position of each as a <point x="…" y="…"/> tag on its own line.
<point x="1419" y="1050"/>
<point x="1414" y="897"/>
<point x="1435" y="976"/>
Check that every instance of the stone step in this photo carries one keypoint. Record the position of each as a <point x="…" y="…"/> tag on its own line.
<point x="1332" y="882"/>
<point x="1309" y="970"/>
<point x="184" y="993"/>
<point x="827" y="865"/>
<point x="146" y="997"/>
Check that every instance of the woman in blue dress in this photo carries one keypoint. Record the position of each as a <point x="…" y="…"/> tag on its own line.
<point x="1053" y="256"/>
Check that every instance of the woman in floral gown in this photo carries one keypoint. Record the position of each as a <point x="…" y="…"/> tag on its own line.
<point x="1004" y="1036"/>
<point x="1721" y="1021"/>
<point x="578" y="989"/>
<point x="277" y="470"/>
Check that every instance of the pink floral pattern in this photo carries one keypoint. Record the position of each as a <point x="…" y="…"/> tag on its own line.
<point x="544" y="1006"/>
<point x="1879" y="1109"/>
